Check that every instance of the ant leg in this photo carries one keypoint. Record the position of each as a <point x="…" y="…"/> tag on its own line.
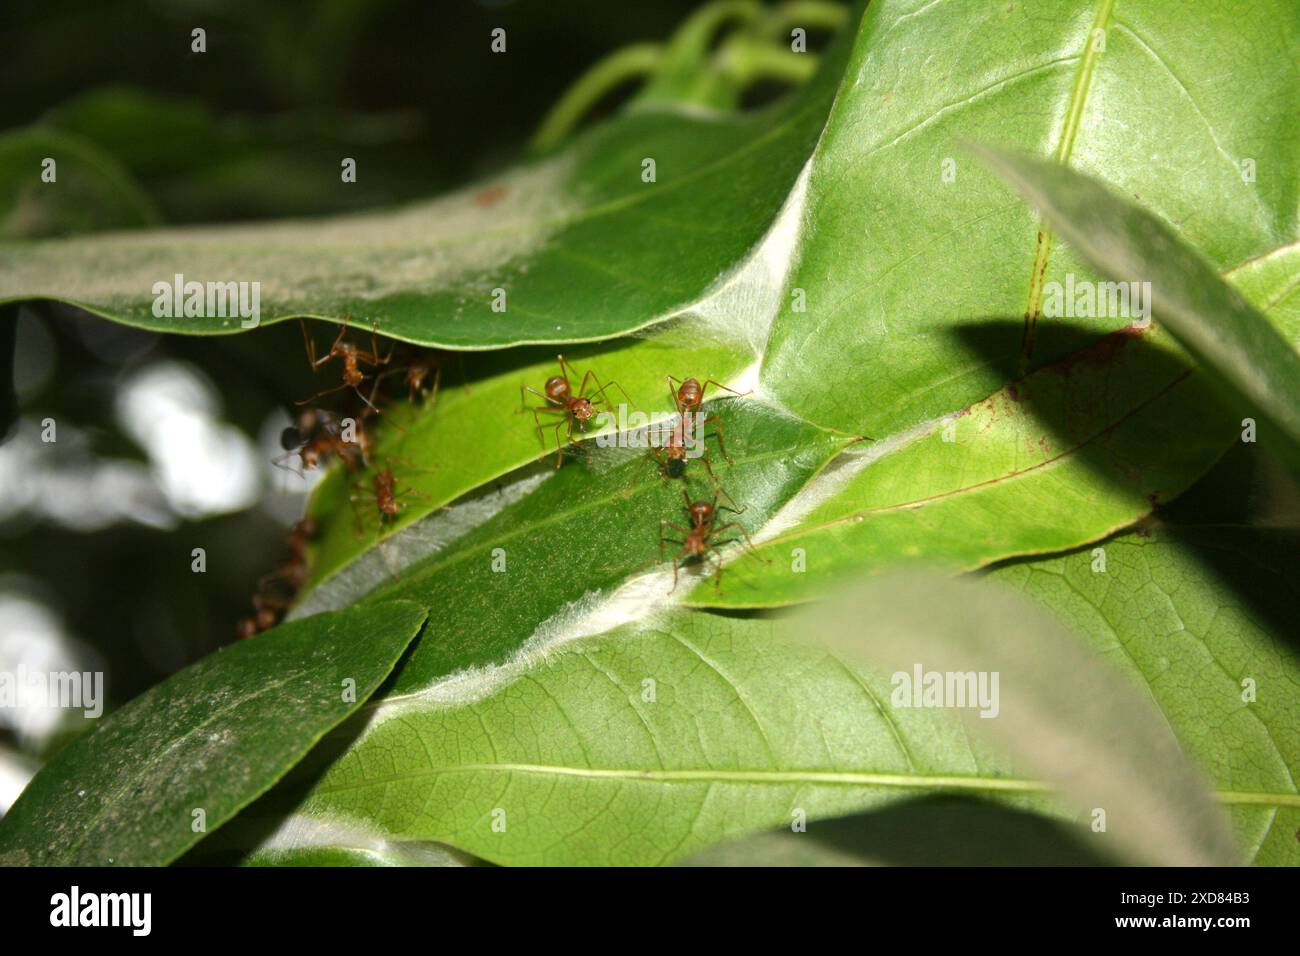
<point x="432" y="397"/>
<point x="312" y="360"/>
<point x="537" y="422"/>
<point x="717" y="578"/>
<point x="559" y="449"/>
<point x="677" y="563"/>
<point x="373" y="357"/>
<point x="717" y="423"/>
<point x="523" y="406"/>
<point x="672" y="395"/>
<point x="601" y="389"/>
<point x="704" y="459"/>
<point x="719" y="491"/>
<point x="279" y="462"/>
<point x="337" y="339"/>
<point x="308" y="344"/>
<point x="372" y="406"/>
<point x="724" y="388"/>
<point x="663" y="540"/>
<point x="328" y="391"/>
<point x="753" y="550"/>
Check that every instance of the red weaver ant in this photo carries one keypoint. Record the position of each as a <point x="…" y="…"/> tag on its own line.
<point x="416" y="372"/>
<point x="672" y="457"/>
<point x="701" y="538"/>
<point x="383" y="492"/>
<point x="319" y="435"/>
<point x="577" y="409"/>
<point x="688" y="397"/>
<point x="352" y="358"/>
<point x="276" y="591"/>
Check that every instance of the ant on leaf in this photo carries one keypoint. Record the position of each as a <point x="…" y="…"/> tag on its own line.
<point x="382" y="491"/>
<point x="687" y="396"/>
<point x="701" y="538"/>
<point x="673" y="456"/>
<point x="352" y="358"/>
<point x="577" y="409"/>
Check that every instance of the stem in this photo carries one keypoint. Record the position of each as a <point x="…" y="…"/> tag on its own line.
<point x="745" y="60"/>
<point x="631" y="62"/>
<point x="814" y="14"/>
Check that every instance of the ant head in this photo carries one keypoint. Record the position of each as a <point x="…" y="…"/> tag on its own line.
<point x="557" y="387"/>
<point x="291" y="439"/>
<point x="690" y="392"/>
<point x="247" y="627"/>
<point x="701" y="513"/>
<point x="582" y="409"/>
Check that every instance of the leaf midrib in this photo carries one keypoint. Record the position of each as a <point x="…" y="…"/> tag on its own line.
<point x="901" y="781"/>
<point x="1064" y="147"/>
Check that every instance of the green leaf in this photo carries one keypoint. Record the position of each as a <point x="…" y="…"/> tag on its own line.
<point x="563" y="748"/>
<point x="899" y="260"/>
<point x="583" y="247"/>
<point x="1232" y="341"/>
<point x="534" y="557"/>
<point x="212" y="738"/>
<point x="648" y="742"/>
<point x="445" y="452"/>
<point x="1191" y="613"/>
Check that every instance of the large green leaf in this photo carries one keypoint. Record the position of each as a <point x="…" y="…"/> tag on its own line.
<point x="900" y="260"/>
<point x="569" y="754"/>
<point x="645" y="743"/>
<point x="1192" y="613"/>
<point x="211" y="738"/>
<point x="583" y="247"/>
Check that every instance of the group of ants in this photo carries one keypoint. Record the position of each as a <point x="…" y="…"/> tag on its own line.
<point x="321" y="434"/>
